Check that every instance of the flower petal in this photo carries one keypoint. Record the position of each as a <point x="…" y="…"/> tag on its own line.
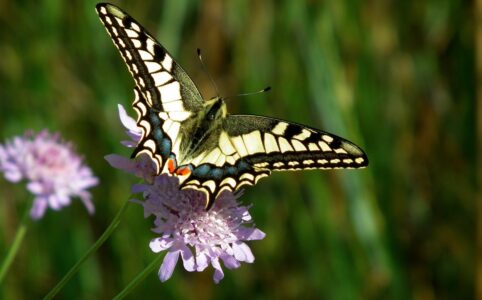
<point x="202" y="259"/>
<point x="39" y="207"/>
<point x="242" y="252"/>
<point x="89" y="205"/>
<point x="218" y="271"/>
<point x="168" y="264"/>
<point x="251" y="234"/>
<point x="187" y="259"/>
<point x="128" y="122"/>
<point x="230" y="262"/>
<point x="13" y="175"/>
<point x="35" y="187"/>
<point x="160" y="244"/>
<point x="120" y="162"/>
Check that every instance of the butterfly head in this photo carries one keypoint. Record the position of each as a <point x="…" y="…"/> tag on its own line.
<point x="215" y="109"/>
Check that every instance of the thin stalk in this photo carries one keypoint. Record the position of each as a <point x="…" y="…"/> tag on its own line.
<point x="478" y="118"/>
<point x="139" y="278"/>
<point x="17" y="241"/>
<point x="115" y="222"/>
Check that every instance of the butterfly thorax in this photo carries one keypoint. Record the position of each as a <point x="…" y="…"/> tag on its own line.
<point x="201" y="131"/>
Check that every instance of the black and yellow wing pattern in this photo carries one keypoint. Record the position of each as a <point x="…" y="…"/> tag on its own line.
<point x="197" y="140"/>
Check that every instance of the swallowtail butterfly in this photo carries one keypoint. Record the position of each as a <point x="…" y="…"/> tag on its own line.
<point x="197" y="140"/>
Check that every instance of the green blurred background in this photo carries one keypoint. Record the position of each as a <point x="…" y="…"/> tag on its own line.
<point x="395" y="77"/>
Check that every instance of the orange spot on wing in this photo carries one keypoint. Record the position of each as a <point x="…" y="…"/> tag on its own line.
<point x="171" y="165"/>
<point x="183" y="171"/>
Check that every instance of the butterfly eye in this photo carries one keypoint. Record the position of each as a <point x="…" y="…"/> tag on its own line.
<point x="214" y="111"/>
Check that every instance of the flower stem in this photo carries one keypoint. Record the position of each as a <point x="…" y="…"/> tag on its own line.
<point x="139" y="278"/>
<point x="115" y="222"/>
<point x="17" y="241"/>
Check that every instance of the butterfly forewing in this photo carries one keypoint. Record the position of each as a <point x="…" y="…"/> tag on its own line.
<point x="163" y="82"/>
<point x="250" y="147"/>
<point x="165" y="95"/>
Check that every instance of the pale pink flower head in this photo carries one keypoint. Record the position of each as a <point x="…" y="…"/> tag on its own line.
<point x="53" y="171"/>
<point x="200" y="237"/>
<point x="186" y="229"/>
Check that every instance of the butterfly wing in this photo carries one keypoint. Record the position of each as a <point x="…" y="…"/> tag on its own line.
<point x="165" y="96"/>
<point x="277" y="145"/>
<point x="250" y="147"/>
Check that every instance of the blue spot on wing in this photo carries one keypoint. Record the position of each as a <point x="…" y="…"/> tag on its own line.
<point x="163" y="142"/>
<point x="242" y="166"/>
<point x="154" y="119"/>
<point x="209" y="171"/>
<point x="216" y="173"/>
<point x="201" y="171"/>
<point x="158" y="134"/>
<point x="230" y="170"/>
<point x="166" y="147"/>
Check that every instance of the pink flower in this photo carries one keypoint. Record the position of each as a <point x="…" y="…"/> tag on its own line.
<point x="201" y="238"/>
<point x="54" y="172"/>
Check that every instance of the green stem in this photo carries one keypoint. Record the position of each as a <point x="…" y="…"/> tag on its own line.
<point x="12" y="252"/>
<point x="139" y="278"/>
<point x="115" y="222"/>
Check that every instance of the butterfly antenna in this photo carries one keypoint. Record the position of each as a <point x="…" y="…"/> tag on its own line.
<point x="250" y="94"/>
<point x="205" y="69"/>
<point x="254" y="93"/>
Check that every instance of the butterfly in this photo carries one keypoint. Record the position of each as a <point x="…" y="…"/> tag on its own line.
<point x="197" y="140"/>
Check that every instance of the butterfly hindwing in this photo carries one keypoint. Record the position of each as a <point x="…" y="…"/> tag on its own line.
<point x="250" y="147"/>
<point x="276" y="145"/>
<point x="215" y="175"/>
